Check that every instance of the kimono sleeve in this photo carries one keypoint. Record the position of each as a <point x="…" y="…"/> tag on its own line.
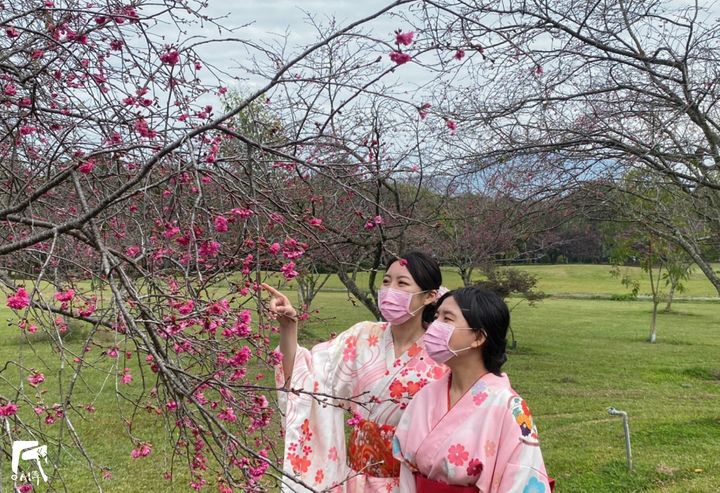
<point x="314" y="427"/>
<point x="520" y="467"/>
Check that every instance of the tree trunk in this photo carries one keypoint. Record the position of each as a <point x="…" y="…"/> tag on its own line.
<point x="466" y="275"/>
<point x="653" y="328"/>
<point x="365" y="299"/>
<point x="699" y="260"/>
<point x="671" y="295"/>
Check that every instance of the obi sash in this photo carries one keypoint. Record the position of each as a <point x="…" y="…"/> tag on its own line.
<point x="424" y="484"/>
<point x="370" y="450"/>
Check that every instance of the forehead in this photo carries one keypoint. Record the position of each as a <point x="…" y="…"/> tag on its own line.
<point x="449" y="305"/>
<point x="398" y="270"/>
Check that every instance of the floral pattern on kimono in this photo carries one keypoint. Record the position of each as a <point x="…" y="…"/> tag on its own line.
<point x="356" y="367"/>
<point x="487" y="439"/>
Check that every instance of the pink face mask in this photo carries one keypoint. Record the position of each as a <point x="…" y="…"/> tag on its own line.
<point x="395" y="305"/>
<point x="437" y="341"/>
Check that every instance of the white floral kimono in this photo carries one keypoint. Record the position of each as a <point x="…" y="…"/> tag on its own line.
<point x="358" y="371"/>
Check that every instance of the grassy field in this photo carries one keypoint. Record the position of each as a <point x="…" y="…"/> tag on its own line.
<point x="575" y="358"/>
<point x="561" y="280"/>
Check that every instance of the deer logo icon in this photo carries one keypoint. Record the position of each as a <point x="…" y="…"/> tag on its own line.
<point x="28" y="450"/>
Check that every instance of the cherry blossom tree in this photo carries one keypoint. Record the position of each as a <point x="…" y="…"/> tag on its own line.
<point x="589" y="91"/>
<point x="141" y="218"/>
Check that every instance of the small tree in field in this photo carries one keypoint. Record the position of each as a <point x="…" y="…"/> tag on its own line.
<point x="665" y="265"/>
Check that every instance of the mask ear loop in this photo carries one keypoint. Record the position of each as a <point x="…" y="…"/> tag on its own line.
<point x="480" y="331"/>
<point x="425" y="305"/>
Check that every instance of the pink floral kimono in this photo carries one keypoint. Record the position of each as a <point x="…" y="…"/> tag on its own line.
<point x="358" y="364"/>
<point x="486" y="442"/>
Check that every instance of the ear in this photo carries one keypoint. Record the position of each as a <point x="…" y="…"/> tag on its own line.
<point x="431" y="296"/>
<point x="479" y="340"/>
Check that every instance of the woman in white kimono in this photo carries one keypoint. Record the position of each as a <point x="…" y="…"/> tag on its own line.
<point x="372" y="370"/>
<point x="469" y="431"/>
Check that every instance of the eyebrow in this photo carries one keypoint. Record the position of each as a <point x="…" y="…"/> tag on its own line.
<point x="401" y="276"/>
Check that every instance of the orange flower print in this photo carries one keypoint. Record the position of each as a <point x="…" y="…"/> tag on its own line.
<point x="490" y="448"/>
<point x="413" y="387"/>
<point x="458" y="455"/>
<point x="414" y="349"/>
<point x="525" y="422"/>
<point x="397" y="389"/>
<point x="299" y="464"/>
<point x="319" y="476"/>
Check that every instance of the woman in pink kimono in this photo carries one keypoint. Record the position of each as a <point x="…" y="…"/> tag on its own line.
<point x="372" y="370"/>
<point x="469" y="431"/>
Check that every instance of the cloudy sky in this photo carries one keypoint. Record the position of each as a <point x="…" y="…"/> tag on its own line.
<point x="267" y="21"/>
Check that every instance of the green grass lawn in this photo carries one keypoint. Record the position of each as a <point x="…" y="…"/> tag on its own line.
<point x="575" y="358"/>
<point x="566" y="279"/>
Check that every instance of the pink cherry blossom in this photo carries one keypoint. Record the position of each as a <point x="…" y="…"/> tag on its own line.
<point x="67" y="295"/>
<point x="221" y="224"/>
<point x="19" y="300"/>
<point x="170" y="57"/>
<point x="143" y="450"/>
<point x="459" y="54"/>
<point x="87" y="166"/>
<point x="8" y="409"/>
<point x="132" y="251"/>
<point x="399" y="58"/>
<point x="36" y="379"/>
<point x="404" y="38"/>
<point x="186" y="308"/>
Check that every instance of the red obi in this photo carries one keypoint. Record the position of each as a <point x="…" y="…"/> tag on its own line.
<point x="427" y="485"/>
<point x="370" y="450"/>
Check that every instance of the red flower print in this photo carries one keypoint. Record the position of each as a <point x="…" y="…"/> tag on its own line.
<point x="305" y="428"/>
<point x="525" y="408"/>
<point x="458" y="455"/>
<point x="436" y="372"/>
<point x="397" y="389"/>
<point x="319" y="476"/>
<point x="479" y="398"/>
<point x="349" y="353"/>
<point x="372" y="340"/>
<point x="474" y="468"/>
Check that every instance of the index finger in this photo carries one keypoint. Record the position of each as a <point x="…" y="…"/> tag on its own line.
<point x="271" y="290"/>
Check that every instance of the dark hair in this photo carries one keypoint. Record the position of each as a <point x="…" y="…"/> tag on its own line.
<point x="485" y="312"/>
<point x="426" y="273"/>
